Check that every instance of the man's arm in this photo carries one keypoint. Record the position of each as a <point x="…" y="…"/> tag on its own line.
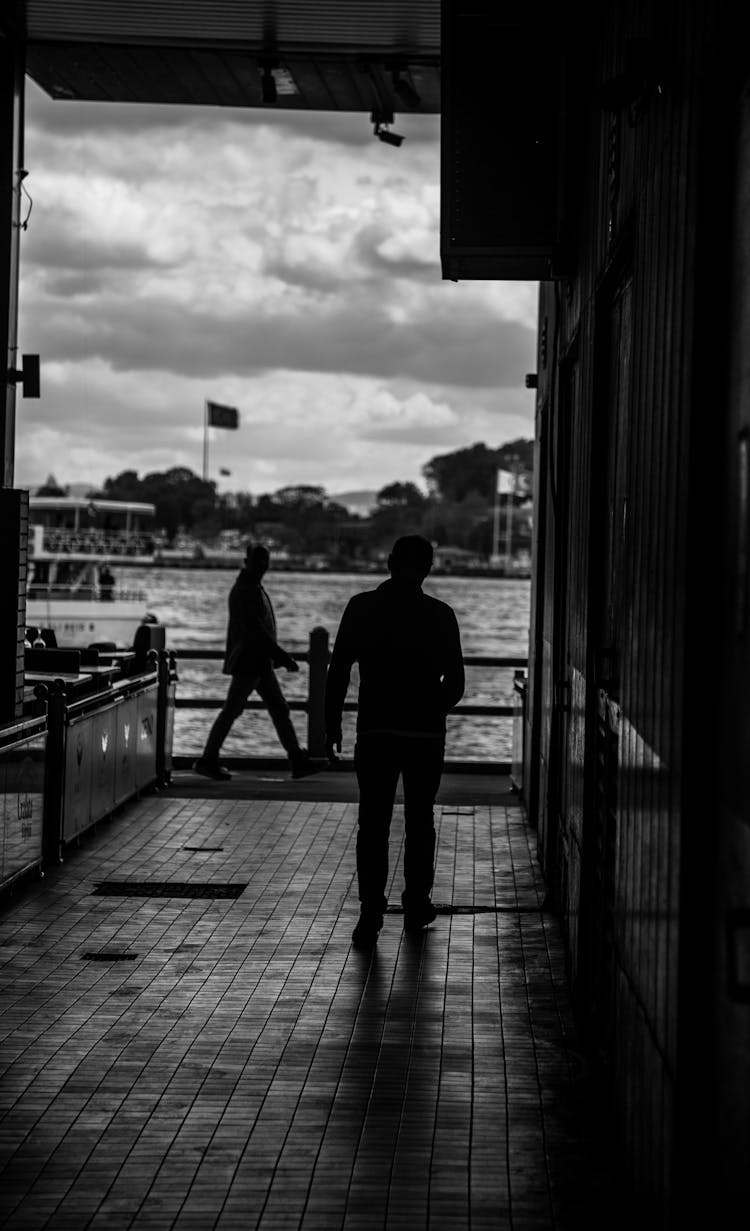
<point x="339" y="673"/>
<point x="454" y="680"/>
<point x="251" y="612"/>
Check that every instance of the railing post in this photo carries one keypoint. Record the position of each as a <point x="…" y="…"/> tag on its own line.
<point x="316" y="691"/>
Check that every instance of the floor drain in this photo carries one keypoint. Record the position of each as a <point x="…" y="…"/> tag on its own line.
<point x="203" y="848"/>
<point x="170" y="889"/>
<point x="108" y="955"/>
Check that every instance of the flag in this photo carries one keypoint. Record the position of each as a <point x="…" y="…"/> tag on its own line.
<point x="505" y="483"/>
<point x="222" y="416"/>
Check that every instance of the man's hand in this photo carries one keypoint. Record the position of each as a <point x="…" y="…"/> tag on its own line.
<point x="333" y="745"/>
<point x="289" y="663"/>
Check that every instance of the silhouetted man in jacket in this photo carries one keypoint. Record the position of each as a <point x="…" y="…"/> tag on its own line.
<point x="411" y="672"/>
<point x="252" y="653"/>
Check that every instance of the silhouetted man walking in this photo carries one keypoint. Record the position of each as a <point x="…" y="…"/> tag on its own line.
<point x="411" y="674"/>
<point x="252" y="653"/>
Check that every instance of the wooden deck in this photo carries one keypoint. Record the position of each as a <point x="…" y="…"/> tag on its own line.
<point x="230" y="1062"/>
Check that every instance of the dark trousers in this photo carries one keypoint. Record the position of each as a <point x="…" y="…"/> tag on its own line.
<point x="267" y="687"/>
<point x="379" y="760"/>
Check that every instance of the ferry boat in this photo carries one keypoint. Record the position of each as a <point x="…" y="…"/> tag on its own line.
<point x="73" y="545"/>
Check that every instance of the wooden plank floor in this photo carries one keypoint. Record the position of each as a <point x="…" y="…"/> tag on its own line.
<point x="200" y="1062"/>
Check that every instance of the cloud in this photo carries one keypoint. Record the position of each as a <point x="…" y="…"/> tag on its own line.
<point x="294" y="426"/>
<point x="418" y="419"/>
<point x="356" y="336"/>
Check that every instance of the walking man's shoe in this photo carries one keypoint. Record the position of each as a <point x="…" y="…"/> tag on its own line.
<point x="366" y="932"/>
<point x="211" y="769"/>
<point x="418" y="916"/>
<point x="303" y="766"/>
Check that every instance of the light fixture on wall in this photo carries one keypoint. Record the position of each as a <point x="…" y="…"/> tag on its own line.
<point x="382" y="121"/>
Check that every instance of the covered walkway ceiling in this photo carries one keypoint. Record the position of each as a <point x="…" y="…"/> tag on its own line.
<point x="323" y="55"/>
<point x="492" y="69"/>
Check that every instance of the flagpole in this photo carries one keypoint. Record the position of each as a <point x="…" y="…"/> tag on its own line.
<point x="496" y="520"/>
<point x="205" y="440"/>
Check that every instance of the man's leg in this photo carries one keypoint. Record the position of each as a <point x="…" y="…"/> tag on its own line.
<point x="238" y="692"/>
<point x="422" y="770"/>
<point x="377" y="770"/>
<point x="269" y="691"/>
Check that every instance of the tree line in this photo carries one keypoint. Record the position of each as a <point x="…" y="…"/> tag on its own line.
<point x="457" y="509"/>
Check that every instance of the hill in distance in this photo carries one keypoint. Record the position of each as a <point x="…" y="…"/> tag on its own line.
<point x="357" y="502"/>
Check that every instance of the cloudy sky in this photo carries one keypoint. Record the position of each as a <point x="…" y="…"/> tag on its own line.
<point x="286" y="265"/>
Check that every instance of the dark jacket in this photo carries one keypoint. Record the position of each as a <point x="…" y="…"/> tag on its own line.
<point x="251" y="632"/>
<point x="411" y="667"/>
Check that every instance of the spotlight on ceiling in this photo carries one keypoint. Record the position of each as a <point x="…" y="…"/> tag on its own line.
<point x="269" y="93"/>
<point x="405" y="91"/>
<point x="389" y="138"/>
<point x="382" y="121"/>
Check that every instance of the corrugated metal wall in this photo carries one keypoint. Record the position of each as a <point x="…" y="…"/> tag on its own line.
<point x="608" y="693"/>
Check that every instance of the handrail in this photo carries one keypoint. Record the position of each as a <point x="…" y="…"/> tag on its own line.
<point x="318" y="656"/>
<point x="303" y="656"/>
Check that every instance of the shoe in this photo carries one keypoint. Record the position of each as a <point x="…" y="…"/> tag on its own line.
<point x="303" y="767"/>
<point x="418" y="917"/>
<point x="366" y="932"/>
<point x="211" y="769"/>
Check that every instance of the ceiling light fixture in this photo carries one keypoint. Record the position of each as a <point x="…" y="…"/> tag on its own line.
<point x="382" y="121"/>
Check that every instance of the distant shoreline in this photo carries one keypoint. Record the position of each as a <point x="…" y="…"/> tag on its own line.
<point x="281" y="566"/>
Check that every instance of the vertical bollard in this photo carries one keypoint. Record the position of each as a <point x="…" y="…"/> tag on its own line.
<point x="54" y="775"/>
<point x="162" y="777"/>
<point x="316" y="691"/>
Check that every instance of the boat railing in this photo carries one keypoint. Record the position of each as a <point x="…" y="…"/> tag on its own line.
<point x="317" y="658"/>
<point x="65" y="541"/>
<point x="38" y="591"/>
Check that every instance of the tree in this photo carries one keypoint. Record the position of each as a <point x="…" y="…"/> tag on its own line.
<point x="300" y="496"/>
<point x="453" y="476"/>
<point x="179" y="496"/>
<point x="401" y="496"/>
<point x="399" y="509"/>
<point x="51" y="487"/>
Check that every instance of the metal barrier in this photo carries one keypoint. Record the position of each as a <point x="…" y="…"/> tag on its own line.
<point x="519" y="731"/>
<point x="317" y="656"/>
<point x="23" y="747"/>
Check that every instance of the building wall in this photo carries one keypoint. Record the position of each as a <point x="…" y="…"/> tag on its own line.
<point x="614" y="638"/>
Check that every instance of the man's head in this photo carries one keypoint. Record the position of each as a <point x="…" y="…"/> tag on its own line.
<point x="411" y="558"/>
<point x="257" y="559"/>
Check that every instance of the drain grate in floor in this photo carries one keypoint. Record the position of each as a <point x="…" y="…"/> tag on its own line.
<point x="170" y="889"/>
<point x="108" y="955"/>
<point x="203" y="848"/>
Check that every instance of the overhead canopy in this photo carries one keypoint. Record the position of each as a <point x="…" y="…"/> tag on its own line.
<point x="497" y="86"/>
<point x="324" y="55"/>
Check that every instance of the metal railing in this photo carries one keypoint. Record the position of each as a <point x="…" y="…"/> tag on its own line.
<point x="64" y="541"/>
<point x="317" y="656"/>
<point x="38" y="590"/>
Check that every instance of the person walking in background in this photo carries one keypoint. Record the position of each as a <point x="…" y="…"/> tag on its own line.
<point x="252" y="653"/>
<point x="106" y="584"/>
<point x="411" y="671"/>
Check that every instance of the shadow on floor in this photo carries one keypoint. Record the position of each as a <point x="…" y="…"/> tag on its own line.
<point x="331" y="785"/>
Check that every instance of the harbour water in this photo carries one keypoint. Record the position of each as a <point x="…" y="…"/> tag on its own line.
<point x="493" y="615"/>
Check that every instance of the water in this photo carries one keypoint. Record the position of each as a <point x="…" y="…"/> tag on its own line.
<point x="493" y="615"/>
